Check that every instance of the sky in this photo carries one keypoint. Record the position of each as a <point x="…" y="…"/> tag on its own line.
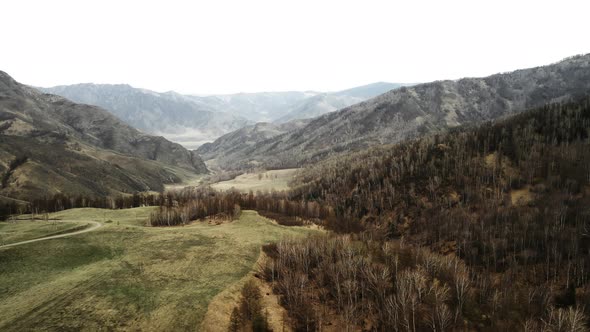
<point x="223" y="46"/>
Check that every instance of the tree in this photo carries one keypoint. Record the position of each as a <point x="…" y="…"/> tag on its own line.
<point x="235" y="321"/>
<point x="237" y="212"/>
<point x="260" y="322"/>
<point x="250" y="304"/>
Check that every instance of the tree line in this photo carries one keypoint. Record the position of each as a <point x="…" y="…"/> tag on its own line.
<point x="60" y="202"/>
<point x="183" y="206"/>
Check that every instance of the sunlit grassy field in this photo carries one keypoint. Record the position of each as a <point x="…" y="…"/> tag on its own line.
<point x="187" y="181"/>
<point x="263" y="181"/>
<point x="124" y="276"/>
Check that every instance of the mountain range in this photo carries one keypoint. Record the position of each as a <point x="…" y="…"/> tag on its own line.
<point x="193" y="120"/>
<point x="406" y="113"/>
<point x="50" y="145"/>
<point x="167" y="114"/>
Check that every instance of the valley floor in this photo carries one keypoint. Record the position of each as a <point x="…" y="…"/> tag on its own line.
<point x="264" y="181"/>
<point x="125" y="276"/>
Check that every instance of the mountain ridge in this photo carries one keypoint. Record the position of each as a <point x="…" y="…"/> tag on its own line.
<point x="80" y="149"/>
<point x="165" y="114"/>
<point x="193" y="120"/>
<point x="409" y="112"/>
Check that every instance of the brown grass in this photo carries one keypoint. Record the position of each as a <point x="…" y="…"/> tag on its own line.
<point x="219" y="311"/>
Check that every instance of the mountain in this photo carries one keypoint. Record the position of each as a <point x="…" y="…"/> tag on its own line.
<point x="370" y="90"/>
<point x="50" y="145"/>
<point x="317" y="105"/>
<point x="247" y="137"/>
<point x="170" y="114"/>
<point x="281" y="107"/>
<point x="509" y="199"/>
<point x="329" y="102"/>
<point x="256" y="107"/>
<point x="409" y="112"/>
<point x="194" y="120"/>
<point x="500" y="209"/>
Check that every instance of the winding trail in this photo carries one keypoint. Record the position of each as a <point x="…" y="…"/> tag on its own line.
<point x="95" y="225"/>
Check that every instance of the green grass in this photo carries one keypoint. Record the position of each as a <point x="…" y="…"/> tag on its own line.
<point x="187" y="181"/>
<point x="125" y="277"/>
<point x="22" y="230"/>
<point x="131" y="217"/>
<point x="263" y="181"/>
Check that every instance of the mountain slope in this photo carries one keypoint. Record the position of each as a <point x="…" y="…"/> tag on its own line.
<point x="256" y="107"/>
<point x="285" y="106"/>
<point x="317" y="105"/>
<point x="369" y="90"/>
<point x="510" y="199"/>
<point x="79" y="149"/>
<point x="498" y="215"/>
<point x="413" y="111"/>
<point x="329" y="102"/>
<point x="247" y="137"/>
<point x="168" y="114"/>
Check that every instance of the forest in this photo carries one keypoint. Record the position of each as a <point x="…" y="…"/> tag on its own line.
<point x="505" y="206"/>
<point x="362" y="284"/>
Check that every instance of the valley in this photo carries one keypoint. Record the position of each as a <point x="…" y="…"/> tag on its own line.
<point x="223" y="166"/>
<point x="419" y="210"/>
<point x="275" y="180"/>
<point x="451" y="224"/>
<point x="192" y="120"/>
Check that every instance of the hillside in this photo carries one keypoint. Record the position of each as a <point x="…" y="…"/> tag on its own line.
<point x="488" y="224"/>
<point x="171" y="115"/>
<point x="511" y="199"/>
<point x="50" y="145"/>
<point x="410" y="112"/>
<point x="370" y="90"/>
<point x="317" y="105"/>
<point x="329" y="102"/>
<point x="247" y="137"/>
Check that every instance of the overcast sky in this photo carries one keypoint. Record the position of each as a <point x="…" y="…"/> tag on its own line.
<point x="250" y="45"/>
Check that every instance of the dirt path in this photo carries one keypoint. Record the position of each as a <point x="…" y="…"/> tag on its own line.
<point x="95" y="225"/>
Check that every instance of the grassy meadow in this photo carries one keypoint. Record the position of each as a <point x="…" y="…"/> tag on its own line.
<point x="125" y="276"/>
<point x="22" y="230"/>
<point x="263" y="181"/>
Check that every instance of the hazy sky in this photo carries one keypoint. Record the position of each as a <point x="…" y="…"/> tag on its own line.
<point x="250" y="45"/>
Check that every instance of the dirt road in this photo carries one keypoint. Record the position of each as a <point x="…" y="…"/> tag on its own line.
<point x="95" y="225"/>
